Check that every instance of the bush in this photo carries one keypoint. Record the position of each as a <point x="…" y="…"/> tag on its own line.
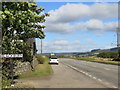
<point x="116" y="59"/>
<point x="107" y="55"/>
<point x="40" y="59"/>
<point x="60" y="56"/>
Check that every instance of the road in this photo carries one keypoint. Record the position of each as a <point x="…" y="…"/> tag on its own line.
<point x="72" y="73"/>
<point x="106" y="74"/>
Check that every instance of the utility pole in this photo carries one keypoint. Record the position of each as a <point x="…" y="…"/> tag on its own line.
<point x="118" y="41"/>
<point x="41" y="46"/>
<point x="12" y="73"/>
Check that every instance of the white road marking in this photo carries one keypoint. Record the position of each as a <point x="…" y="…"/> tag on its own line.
<point x="83" y="72"/>
<point x="108" y="84"/>
<point x="99" y="80"/>
<point x="86" y="74"/>
<point x="114" y="87"/>
<point x="74" y="68"/>
<point x="106" y="68"/>
<point x="90" y="75"/>
<point x="94" y="78"/>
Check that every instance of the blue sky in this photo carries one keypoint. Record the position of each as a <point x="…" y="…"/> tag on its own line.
<point x="78" y="26"/>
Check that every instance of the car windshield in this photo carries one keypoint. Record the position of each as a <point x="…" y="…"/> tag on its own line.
<point x="53" y="57"/>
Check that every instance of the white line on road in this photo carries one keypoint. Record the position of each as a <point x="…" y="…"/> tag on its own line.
<point x="114" y="87"/>
<point x="83" y="72"/>
<point x="86" y="74"/>
<point x="94" y="78"/>
<point x="99" y="80"/>
<point x="90" y="75"/>
<point x="106" y="68"/>
<point x="108" y="84"/>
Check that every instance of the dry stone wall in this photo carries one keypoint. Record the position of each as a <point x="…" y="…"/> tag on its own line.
<point x="24" y="67"/>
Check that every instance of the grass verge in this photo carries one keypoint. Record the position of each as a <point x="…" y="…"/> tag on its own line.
<point x="43" y="69"/>
<point x="96" y="60"/>
<point x="5" y="83"/>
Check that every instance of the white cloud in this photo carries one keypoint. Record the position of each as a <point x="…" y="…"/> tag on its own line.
<point x="111" y="26"/>
<point x="73" y="12"/>
<point x="92" y="25"/>
<point x="76" y="42"/>
<point x="96" y="25"/>
<point x="89" y="40"/>
<point x="60" y="42"/>
<point x="59" y="28"/>
<point x="79" y="17"/>
<point x="61" y="19"/>
<point x="62" y="45"/>
<point x="107" y="47"/>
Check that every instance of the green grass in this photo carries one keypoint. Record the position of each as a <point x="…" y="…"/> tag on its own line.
<point x="87" y="59"/>
<point x="40" y="70"/>
<point x="94" y="60"/>
<point x="6" y="83"/>
<point x="108" y="62"/>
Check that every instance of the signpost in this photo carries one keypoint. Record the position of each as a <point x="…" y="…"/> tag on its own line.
<point x="4" y="56"/>
<point x="12" y="55"/>
<point x="52" y="54"/>
<point x="118" y="41"/>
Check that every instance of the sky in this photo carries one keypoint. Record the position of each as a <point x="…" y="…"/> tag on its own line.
<point x="79" y="26"/>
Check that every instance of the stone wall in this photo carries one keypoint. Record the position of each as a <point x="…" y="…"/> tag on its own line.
<point x="35" y="61"/>
<point x="24" y="67"/>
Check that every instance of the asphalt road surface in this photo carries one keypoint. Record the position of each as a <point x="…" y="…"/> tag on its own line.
<point x="105" y="74"/>
<point x="72" y="73"/>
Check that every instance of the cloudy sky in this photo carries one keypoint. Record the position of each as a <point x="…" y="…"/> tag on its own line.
<point x="79" y="26"/>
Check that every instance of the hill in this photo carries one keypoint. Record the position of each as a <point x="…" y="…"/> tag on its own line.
<point x="92" y="52"/>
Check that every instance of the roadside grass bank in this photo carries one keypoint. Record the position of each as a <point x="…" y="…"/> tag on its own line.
<point x="5" y="83"/>
<point x="42" y="69"/>
<point x="91" y="59"/>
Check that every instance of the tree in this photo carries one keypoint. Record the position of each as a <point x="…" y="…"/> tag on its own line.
<point x="107" y="55"/>
<point x="20" y="21"/>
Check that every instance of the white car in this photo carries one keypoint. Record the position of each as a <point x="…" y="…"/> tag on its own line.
<point x="54" y="60"/>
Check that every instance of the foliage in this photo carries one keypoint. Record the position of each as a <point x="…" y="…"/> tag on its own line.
<point x="107" y="55"/>
<point x="43" y="69"/>
<point x="60" y="56"/>
<point x="5" y="83"/>
<point x="20" y="21"/>
<point x="27" y="56"/>
<point x="40" y="59"/>
<point x="95" y="60"/>
<point x="116" y="59"/>
<point x="6" y="72"/>
<point x="86" y="58"/>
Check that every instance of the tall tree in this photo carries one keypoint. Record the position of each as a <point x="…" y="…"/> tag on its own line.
<point x="20" y="21"/>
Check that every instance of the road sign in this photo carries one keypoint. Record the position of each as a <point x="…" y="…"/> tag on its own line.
<point x="3" y="60"/>
<point x="11" y="61"/>
<point x="52" y="54"/>
<point x="12" y="55"/>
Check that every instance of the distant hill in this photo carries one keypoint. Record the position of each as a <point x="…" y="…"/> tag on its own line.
<point x="104" y="50"/>
<point x="85" y="53"/>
